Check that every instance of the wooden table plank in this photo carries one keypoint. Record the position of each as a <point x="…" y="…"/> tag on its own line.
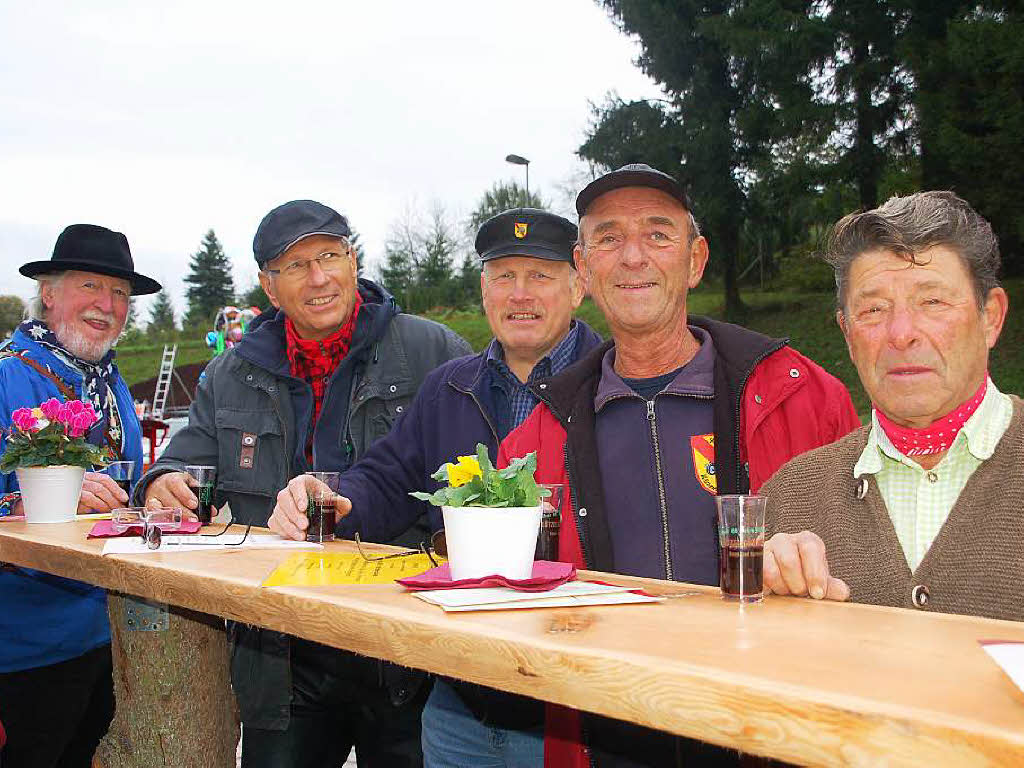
<point x="808" y="682"/>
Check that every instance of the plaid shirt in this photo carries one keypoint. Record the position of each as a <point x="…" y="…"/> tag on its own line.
<point x="521" y="400"/>
<point x="315" y="361"/>
<point x="920" y="500"/>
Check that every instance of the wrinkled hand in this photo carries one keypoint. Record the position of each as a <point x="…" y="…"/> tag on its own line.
<point x="172" y="490"/>
<point x="100" y="494"/>
<point x="288" y="520"/>
<point x="795" y="564"/>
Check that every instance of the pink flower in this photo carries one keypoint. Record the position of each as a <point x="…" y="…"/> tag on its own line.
<point x="64" y="413"/>
<point x="76" y="406"/>
<point x="79" y="423"/>
<point x="24" y="419"/>
<point x="50" y="408"/>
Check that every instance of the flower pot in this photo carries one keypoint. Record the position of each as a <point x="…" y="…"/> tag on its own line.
<point x="50" y="494"/>
<point x="491" y="541"/>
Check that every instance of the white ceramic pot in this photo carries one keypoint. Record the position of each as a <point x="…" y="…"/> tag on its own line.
<point x="491" y="541"/>
<point x="50" y="494"/>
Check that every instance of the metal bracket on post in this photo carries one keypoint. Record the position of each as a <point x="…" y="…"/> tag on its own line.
<point x="145" y="615"/>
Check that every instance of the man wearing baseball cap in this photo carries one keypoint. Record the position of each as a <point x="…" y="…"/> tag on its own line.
<point x="674" y="410"/>
<point x="314" y="382"/>
<point x="56" y="691"/>
<point x="530" y="289"/>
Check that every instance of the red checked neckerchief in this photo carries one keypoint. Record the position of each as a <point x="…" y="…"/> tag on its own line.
<point x="315" y="361"/>
<point x="937" y="436"/>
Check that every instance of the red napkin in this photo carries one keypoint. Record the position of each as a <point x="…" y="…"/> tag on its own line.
<point x="546" y="575"/>
<point x="104" y="529"/>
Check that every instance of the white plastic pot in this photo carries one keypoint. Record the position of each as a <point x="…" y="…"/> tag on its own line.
<point x="50" y="494"/>
<point x="491" y="541"/>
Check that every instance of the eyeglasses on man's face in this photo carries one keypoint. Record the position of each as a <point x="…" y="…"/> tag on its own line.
<point x="329" y="261"/>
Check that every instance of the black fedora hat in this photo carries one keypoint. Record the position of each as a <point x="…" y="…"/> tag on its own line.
<point x="89" y="248"/>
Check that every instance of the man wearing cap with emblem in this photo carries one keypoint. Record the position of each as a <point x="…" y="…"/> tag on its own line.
<point x="649" y="427"/>
<point x="923" y="504"/>
<point x="530" y="289"/>
<point x="56" y="691"/>
<point x="313" y="383"/>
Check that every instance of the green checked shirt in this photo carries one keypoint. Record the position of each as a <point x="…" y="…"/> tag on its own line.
<point x="919" y="500"/>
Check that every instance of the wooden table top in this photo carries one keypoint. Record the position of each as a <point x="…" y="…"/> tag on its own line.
<point x="805" y="681"/>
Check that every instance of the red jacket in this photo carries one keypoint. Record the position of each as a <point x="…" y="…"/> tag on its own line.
<point x="776" y="404"/>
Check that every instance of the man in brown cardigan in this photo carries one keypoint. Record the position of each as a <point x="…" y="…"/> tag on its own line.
<point x="920" y="508"/>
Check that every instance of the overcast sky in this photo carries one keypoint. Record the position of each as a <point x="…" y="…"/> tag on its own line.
<point x="164" y="120"/>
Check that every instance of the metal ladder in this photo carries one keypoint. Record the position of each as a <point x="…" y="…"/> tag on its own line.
<point x="163" y="381"/>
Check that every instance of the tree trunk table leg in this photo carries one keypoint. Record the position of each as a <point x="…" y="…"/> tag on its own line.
<point x="175" y="708"/>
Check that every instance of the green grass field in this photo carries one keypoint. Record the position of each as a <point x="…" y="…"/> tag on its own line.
<point x="808" y="319"/>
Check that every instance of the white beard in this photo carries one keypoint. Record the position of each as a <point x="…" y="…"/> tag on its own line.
<point x="77" y="344"/>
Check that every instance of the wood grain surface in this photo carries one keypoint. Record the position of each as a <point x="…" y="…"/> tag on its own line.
<point x="805" y="681"/>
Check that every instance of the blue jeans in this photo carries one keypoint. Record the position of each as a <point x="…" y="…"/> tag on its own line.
<point x="454" y="738"/>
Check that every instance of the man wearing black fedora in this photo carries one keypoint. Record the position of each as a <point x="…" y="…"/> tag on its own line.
<point x="312" y="384"/>
<point x="56" y="693"/>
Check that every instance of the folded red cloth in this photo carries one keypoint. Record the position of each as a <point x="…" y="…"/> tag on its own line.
<point x="546" y="575"/>
<point x="104" y="529"/>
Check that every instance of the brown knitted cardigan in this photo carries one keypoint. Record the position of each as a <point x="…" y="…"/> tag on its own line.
<point x="976" y="563"/>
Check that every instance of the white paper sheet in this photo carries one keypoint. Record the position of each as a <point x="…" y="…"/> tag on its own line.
<point x="134" y="545"/>
<point x="501" y="598"/>
<point x="1009" y="656"/>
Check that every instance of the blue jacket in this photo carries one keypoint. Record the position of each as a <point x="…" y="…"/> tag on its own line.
<point x="47" y="619"/>
<point x="452" y="412"/>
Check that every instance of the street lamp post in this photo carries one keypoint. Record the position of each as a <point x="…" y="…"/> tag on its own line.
<point x="520" y="160"/>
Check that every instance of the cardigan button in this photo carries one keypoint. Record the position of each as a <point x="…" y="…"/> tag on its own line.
<point x="582" y="512"/>
<point x="919" y="596"/>
<point x="392" y="388"/>
<point x="794" y="373"/>
<point x="757" y="399"/>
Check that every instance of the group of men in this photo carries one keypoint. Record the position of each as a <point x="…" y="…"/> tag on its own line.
<point x="645" y="429"/>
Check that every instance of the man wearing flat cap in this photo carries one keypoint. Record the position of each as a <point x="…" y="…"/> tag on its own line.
<point x="314" y="382"/>
<point x="56" y="692"/>
<point x="652" y="425"/>
<point x="530" y="289"/>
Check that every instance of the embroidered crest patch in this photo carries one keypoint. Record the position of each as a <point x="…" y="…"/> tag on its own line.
<point x="703" y="447"/>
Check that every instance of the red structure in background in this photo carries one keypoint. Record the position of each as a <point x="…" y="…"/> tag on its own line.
<point x="154" y="431"/>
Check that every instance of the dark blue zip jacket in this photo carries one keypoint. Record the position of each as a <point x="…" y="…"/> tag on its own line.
<point x="453" y="411"/>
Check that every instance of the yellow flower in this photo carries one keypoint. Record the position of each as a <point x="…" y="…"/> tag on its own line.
<point x="463" y="472"/>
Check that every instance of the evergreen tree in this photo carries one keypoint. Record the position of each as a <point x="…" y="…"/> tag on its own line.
<point x="397" y="274"/>
<point x="357" y="247"/>
<point x="501" y="197"/>
<point x="210" y="284"/>
<point x="161" y="314"/>
<point x="131" y="319"/>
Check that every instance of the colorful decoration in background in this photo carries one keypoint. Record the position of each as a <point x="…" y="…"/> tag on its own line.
<point x="229" y="326"/>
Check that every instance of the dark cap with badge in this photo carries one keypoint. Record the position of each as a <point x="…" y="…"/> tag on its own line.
<point x="632" y="175"/>
<point x="284" y="226"/>
<point x="526" y="232"/>
<point x="91" y="248"/>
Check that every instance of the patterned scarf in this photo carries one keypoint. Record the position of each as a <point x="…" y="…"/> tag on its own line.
<point x="315" y="361"/>
<point x="937" y="436"/>
<point x="98" y="379"/>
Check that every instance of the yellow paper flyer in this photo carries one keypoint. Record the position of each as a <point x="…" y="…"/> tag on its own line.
<point x="310" y="569"/>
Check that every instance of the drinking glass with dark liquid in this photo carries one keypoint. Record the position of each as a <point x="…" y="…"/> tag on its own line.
<point x="201" y="480"/>
<point x="550" y="523"/>
<point x="321" y="492"/>
<point x="741" y="542"/>
<point x="121" y="472"/>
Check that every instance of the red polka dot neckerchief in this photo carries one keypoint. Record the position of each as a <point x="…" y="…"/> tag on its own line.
<point x="937" y="436"/>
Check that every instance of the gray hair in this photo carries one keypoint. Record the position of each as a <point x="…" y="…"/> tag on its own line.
<point x="908" y="226"/>
<point x="35" y="309"/>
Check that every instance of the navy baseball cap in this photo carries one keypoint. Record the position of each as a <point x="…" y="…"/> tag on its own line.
<point x="526" y="232"/>
<point x="632" y="175"/>
<point x="288" y="223"/>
